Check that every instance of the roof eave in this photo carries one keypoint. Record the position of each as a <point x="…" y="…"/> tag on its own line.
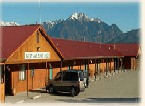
<point x="94" y="57"/>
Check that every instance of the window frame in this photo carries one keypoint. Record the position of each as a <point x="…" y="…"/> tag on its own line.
<point x="22" y="72"/>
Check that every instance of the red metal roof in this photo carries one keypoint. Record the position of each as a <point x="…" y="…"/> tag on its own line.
<point x="12" y="37"/>
<point x="130" y="49"/>
<point x="77" y="49"/>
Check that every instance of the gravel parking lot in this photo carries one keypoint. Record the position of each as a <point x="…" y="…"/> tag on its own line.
<point x="123" y="87"/>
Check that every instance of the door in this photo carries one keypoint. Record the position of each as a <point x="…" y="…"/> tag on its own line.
<point x="2" y="93"/>
<point x="98" y="67"/>
<point x="7" y="80"/>
<point x="51" y="71"/>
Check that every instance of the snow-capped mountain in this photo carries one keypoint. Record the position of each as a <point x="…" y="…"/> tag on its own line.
<point x="79" y="16"/>
<point x="76" y="16"/>
<point x="2" y="23"/>
<point x="79" y="25"/>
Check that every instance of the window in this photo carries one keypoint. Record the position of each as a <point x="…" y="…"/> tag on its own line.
<point x="66" y="76"/>
<point x="81" y="76"/>
<point x="22" y="72"/>
<point x="37" y="38"/>
<point x="74" y="76"/>
<point x="85" y="74"/>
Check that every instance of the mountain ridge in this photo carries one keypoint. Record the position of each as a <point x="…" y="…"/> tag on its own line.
<point x="79" y="25"/>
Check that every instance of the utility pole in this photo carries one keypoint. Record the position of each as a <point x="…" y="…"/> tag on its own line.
<point x="39" y="12"/>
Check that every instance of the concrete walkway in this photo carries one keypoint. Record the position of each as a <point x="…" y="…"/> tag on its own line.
<point x="104" y="75"/>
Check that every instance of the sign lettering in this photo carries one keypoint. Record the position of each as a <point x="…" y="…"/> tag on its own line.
<point x="37" y="55"/>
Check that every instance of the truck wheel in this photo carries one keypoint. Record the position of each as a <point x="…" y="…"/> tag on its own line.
<point x="51" y="89"/>
<point x="87" y="82"/>
<point x="73" y="92"/>
<point x="47" y="89"/>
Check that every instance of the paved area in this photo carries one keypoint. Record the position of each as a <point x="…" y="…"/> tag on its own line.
<point x="122" y="87"/>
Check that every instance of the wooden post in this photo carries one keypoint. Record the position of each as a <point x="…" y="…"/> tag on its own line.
<point x="106" y="67"/>
<point x="72" y="64"/>
<point x="98" y="67"/>
<point x="135" y="63"/>
<point x="61" y="66"/>
<point x="95" y="69"/>
<point x="48" y="72"/>
<point x="114" y="65"/>
<point x="32" y="67"/>
<point x="80" y="64"/>
<point x="27" y="82"/>
<point x="85" y="65"/>
<point x="46" y="69"/>
<point x="121" y="65"/>
<point x="88" y="67"/>
<point x="110" y="66"/>
<point x="68" y="65"/>
<point x="118" y="64"/>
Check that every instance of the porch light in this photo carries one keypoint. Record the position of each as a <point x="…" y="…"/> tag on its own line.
<point x="38" y="48"/>
<point x="91" y="61"/>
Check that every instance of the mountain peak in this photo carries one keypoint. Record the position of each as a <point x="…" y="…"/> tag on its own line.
<point x="83" y="17"/>
<point x="80" y="16"/>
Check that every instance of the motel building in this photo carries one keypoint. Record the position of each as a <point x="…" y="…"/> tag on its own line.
<point x="28" y="56"/>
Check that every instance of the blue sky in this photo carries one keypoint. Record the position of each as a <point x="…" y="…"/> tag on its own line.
<point x="126" y="15"/>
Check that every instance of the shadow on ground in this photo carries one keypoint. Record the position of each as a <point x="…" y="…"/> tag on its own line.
<point x="103" y="100"/>
<point x="55" y="94"/>
<point x="61" y="94"/>
<point x="38" y="91"/>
